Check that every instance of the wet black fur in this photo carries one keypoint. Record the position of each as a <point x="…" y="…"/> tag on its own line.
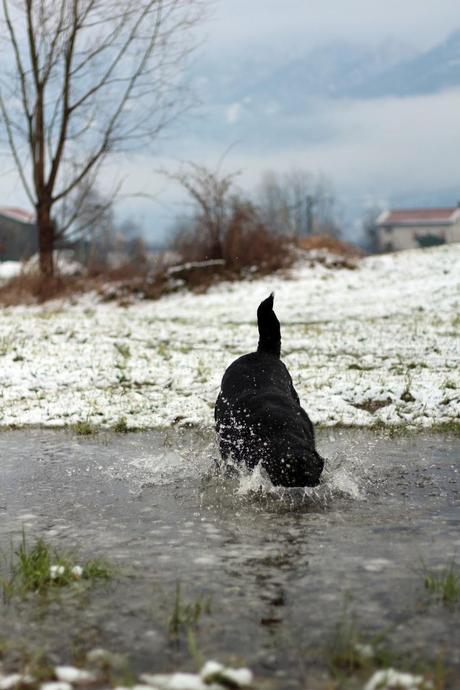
<point x="258" y="414"/>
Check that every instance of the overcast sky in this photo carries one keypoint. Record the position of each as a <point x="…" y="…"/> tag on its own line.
<point x="310" y="22"/>
<point x="375" y="145"/>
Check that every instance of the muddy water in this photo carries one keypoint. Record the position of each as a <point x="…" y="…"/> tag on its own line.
<point x="274" y="568"/>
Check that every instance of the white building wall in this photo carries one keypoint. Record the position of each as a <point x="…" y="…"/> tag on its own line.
<point x="398" y="237"/>
<point x="453" y="232"/>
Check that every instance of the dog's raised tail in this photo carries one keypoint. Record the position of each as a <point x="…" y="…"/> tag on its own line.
<point x="269" y="328"/>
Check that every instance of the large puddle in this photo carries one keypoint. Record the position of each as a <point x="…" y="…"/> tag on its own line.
<point x="274" y="569"/>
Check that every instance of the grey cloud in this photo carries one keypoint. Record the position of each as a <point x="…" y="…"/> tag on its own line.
<point x="233" y="22"/>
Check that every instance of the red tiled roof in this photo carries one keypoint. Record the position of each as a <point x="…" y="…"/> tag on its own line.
<point x="429" y="216"/>
<point x="17" y="214"/>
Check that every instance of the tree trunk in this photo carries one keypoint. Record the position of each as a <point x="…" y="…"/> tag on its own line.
<point x="45" y="227"/>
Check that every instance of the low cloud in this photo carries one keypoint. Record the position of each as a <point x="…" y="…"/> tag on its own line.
<point x="233" y="113"/>
<point x="313" y="22"/>
<point x="379" y="148"/>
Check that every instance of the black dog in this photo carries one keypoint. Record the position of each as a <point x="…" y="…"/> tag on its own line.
<point x="258" y="414"/>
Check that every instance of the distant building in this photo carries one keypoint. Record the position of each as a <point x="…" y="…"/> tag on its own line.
<point x="18" y="234"/>
<point x="417" y="227"/>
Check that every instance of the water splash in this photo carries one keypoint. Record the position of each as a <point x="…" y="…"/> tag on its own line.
<point x="228" y="486"/>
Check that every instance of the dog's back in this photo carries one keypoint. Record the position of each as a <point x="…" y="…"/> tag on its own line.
<point x="258" y="414"/>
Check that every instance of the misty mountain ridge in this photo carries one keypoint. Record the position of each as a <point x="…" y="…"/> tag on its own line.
<point x="274" y="104"/>
<point x="432" y="71"/>
<point x="334" y="70"/>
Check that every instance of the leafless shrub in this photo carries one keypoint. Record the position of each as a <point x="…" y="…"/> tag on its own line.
<point x="298" y="203"/>
<point x="329" y="251"/>
<point x="225" y="226"/>
<point x="32" y="288"/>
<point x="331" y="244"/>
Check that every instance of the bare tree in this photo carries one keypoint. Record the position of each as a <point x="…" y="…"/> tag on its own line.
<point x="211" y="192"/>
<point x="82" y="79"/>
<point x="298" y="203"/>
<point x="225" y="226"/>
<point x="273" y="204"/>
<point x="370" y="229"/>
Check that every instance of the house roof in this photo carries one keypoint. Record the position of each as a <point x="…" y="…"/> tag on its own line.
<point x="17" y="214"/>
<point x="419" y="216"/>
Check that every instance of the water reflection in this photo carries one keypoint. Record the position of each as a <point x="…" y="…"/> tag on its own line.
<point x="276" y="563"/>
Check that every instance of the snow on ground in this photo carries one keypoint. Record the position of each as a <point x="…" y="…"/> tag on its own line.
<point x="9" y="269"/>
<point x="383" y="336"/>
<point x="63" y="261"/>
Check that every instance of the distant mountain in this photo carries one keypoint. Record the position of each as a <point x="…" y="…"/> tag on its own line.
<point x="330" y="70"/>
<point x="339" y="70"/>
<point x="323" y="72"/>
<point x="272" y="105"/>
<point x="432" y="71"/>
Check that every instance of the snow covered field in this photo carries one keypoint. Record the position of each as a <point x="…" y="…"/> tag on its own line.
<point x="376" y="344"/>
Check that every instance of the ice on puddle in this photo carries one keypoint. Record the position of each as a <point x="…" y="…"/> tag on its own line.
<point x="390" y="679"/>
<point x="71" y="674"/>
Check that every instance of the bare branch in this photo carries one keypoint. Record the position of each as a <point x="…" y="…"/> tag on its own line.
<point x="15" y="152"/>
<point x="20" y="69"/>
<point x="90" y="77"/>
<point x="65" y="99"/>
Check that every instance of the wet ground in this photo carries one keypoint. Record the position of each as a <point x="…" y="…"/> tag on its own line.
<point x="274" y="571"/>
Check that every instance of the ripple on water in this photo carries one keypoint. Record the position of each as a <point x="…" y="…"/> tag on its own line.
<point x="277" y="563"/>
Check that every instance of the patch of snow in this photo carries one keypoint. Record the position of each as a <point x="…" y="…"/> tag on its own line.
<point x="176" y="681"/>
<point x="56" y="685"/>
<point x="213" y="676"/>
<point x="354" y="342"/>
<point x="64" y="264"/>
<point x="14" y="680"/>
<point x="56" y="571"/>
<point x="71" y="674"/>
<point x="9" y="269"/>
<point x="212" y="671"/>
<point x="389" y="679"/>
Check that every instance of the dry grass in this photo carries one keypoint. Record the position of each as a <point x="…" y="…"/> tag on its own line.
<point x="244" y="246"/>
<point x="248" y="250"/>
<point x="32" y="288"/>
<point x="127" y="279"/>
<point x="331" y="244"/>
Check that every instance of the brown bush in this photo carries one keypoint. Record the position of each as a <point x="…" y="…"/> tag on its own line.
<point x="331" y="244"/>
<point x="245" y="244"/>
<point x="32" y="288"/>
<point x="250" y="244"/>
